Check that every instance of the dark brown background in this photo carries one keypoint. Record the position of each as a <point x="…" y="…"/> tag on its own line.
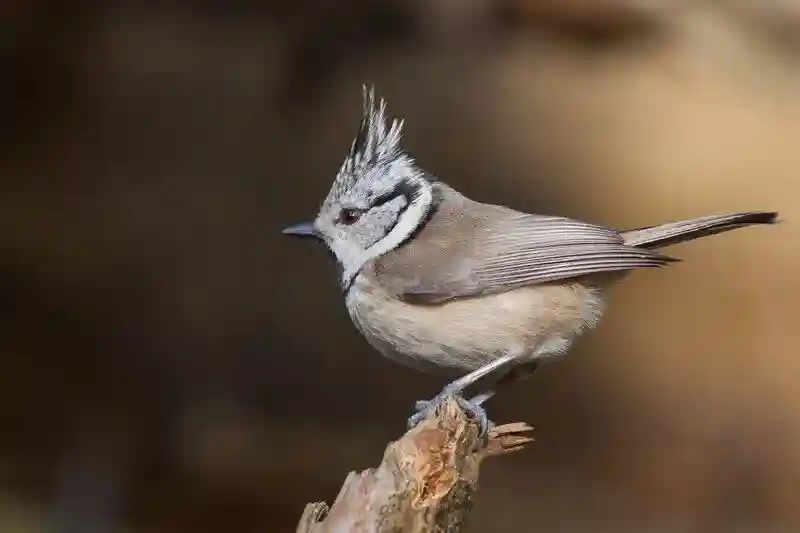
<point x="169" y="363"/>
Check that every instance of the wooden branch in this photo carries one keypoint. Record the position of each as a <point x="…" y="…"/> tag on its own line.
<point x="425" y="483"/>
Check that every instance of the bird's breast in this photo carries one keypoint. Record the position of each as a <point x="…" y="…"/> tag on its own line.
<point x="465" y="333"/>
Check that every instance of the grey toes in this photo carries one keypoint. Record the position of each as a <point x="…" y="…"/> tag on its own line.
<point x="472" y="407"/>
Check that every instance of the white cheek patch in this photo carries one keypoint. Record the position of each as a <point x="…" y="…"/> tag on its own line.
<point x="379" y="221"/>
<point x="408" y="221"/>
<point x="348" y="256"/>
<point x="353" y="244"/>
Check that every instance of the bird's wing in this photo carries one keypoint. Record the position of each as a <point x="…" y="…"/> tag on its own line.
<point x="493" y="249"/>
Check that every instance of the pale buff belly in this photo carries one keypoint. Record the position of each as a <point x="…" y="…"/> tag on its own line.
<point x="463" y="334"/>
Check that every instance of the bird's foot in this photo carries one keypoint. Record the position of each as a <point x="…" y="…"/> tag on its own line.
<point x="472" y="407"/>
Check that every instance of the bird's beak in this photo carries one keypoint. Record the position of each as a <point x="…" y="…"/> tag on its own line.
<point x="305" y="229"/>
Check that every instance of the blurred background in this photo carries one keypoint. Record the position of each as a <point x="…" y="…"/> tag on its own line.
<point x="170" y="363"/>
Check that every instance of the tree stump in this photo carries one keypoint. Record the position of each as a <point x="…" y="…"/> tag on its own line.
<point x="426" y="481"/>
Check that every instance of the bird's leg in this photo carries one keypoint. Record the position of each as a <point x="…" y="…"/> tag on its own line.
<point x="495" y="371"/>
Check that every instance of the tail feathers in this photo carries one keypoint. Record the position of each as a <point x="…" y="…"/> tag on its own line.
<point x="687" y="230"/>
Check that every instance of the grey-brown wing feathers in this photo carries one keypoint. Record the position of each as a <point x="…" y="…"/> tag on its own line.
<point x="536" y="249"/>
<point x="468" y="248"/>
<point x="500" y="249"/>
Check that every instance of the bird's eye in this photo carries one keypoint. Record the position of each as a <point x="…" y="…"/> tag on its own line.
<point x="349" y="216"/>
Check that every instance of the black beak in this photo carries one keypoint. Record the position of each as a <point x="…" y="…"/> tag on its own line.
<point x="306" y="230"/>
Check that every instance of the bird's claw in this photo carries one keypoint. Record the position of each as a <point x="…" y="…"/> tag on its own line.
<point x="473" y="408"/>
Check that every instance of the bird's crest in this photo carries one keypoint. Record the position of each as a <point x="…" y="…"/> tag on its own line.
<point x="374" y="144"/>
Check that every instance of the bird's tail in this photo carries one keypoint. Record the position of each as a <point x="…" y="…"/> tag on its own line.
<point x="687" y="230"/>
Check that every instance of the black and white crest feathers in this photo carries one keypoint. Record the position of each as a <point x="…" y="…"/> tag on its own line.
<point x="375" y="143"/>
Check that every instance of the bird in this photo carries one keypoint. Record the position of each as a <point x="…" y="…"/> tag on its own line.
<point x="475" y="291"/>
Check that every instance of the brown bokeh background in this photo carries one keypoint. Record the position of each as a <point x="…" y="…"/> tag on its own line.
<point x="169" y="363"/>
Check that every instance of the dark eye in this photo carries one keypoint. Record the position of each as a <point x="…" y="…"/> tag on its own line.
<point x="349" y="216"/>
